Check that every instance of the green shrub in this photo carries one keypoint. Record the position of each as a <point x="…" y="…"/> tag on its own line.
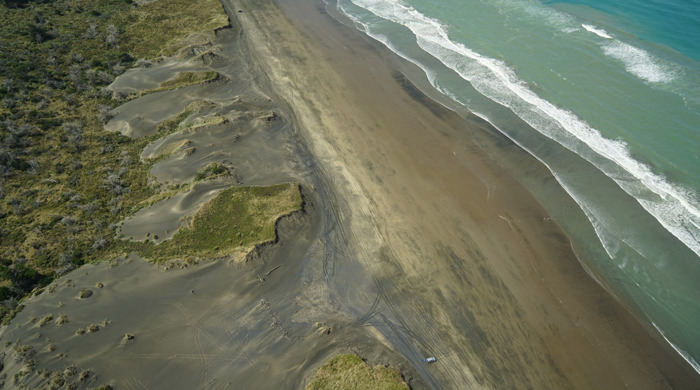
<point x="212" y="170"/>
<point x="47" y="318"/>
<point x="56" y="55"/>
<point x="237" y="218"/>
<point x="352" y="373"/>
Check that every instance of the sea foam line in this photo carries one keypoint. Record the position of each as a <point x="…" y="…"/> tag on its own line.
<point x="597" y="31"/>
<point x="383" y="39"/>
<point x="636" y="61"/>
<point x="639" y="62"/>
<point x="681" y="352"/>
<point x="675" y="208"/>
<point x="606" y="244"/>
<point x="610" y="249"/>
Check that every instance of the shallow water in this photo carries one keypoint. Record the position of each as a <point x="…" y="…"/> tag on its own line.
<point x="605" y="95"/>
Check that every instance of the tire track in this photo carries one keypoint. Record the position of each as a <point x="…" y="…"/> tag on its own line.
<point x="198" y="330"/>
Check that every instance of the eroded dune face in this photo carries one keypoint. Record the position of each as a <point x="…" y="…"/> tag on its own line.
<point x="227" y="121"/>
<point x="220" y="323"/>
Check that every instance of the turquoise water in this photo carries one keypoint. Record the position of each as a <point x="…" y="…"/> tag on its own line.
<point x="673" y="23"/>
<point x="606" y="94"/>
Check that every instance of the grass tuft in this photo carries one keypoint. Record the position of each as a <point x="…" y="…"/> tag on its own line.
<point x="235" y="220"/>
<point x="189" y="78"/>
<point x="212" y="170"/>
<point x="184" y="79"/>
<point x="346" y="372"/>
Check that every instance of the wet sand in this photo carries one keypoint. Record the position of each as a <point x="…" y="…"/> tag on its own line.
<point x="415" y="241"/>
<point x="463" y="265"/>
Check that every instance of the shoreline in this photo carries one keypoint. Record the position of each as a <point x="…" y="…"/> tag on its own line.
<point x="607" y="323"/>
<point x="416" y="238"/>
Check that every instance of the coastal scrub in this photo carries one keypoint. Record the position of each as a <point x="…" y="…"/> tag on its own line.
<point x="64" y="181"/>
<point x="345" y="372"/>
<point x="151" y="26"/>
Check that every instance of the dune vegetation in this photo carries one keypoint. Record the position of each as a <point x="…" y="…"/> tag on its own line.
<point x="346" y="372"/>
<point x="236" y="219"/>
<point x="64" y="181"/>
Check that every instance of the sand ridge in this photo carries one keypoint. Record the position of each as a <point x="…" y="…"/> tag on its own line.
<point x="216" y="126"/>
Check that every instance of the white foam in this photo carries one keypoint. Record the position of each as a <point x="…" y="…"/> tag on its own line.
<point x="383" y="39"/>
<point x="636" y="61"/>
<point x="675" y="208"/>
<point x="681" y="352"/>
<point x="534" y="10"/>
<point x="597" y="31"/>
<point x="639" y="62"/>
<point x="611" y="247"/>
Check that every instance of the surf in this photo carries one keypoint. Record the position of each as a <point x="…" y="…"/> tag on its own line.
<point x="676" y="209"/>
<point x="673" y="206"/>
<point x="597" y="31"/>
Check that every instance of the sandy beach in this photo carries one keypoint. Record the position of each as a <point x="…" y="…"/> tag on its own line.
<point x="416" y="239"/>
<point x="466" y="264"/>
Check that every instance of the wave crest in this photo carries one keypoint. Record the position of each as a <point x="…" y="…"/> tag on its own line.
<point x="676" y="208"/>
<point x="639" y="62"/>
<point x="597" y="31"/>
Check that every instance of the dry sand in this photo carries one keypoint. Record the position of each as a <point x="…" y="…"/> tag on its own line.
<point x="463" y="265"/>
<point x="221" y="324"/>
<point x="415" y="242"/>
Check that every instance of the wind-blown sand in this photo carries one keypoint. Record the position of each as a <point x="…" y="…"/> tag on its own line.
<point x="415" y="241"/>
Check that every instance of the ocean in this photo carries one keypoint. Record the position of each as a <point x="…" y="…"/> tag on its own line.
<point x="606" y="94"/>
